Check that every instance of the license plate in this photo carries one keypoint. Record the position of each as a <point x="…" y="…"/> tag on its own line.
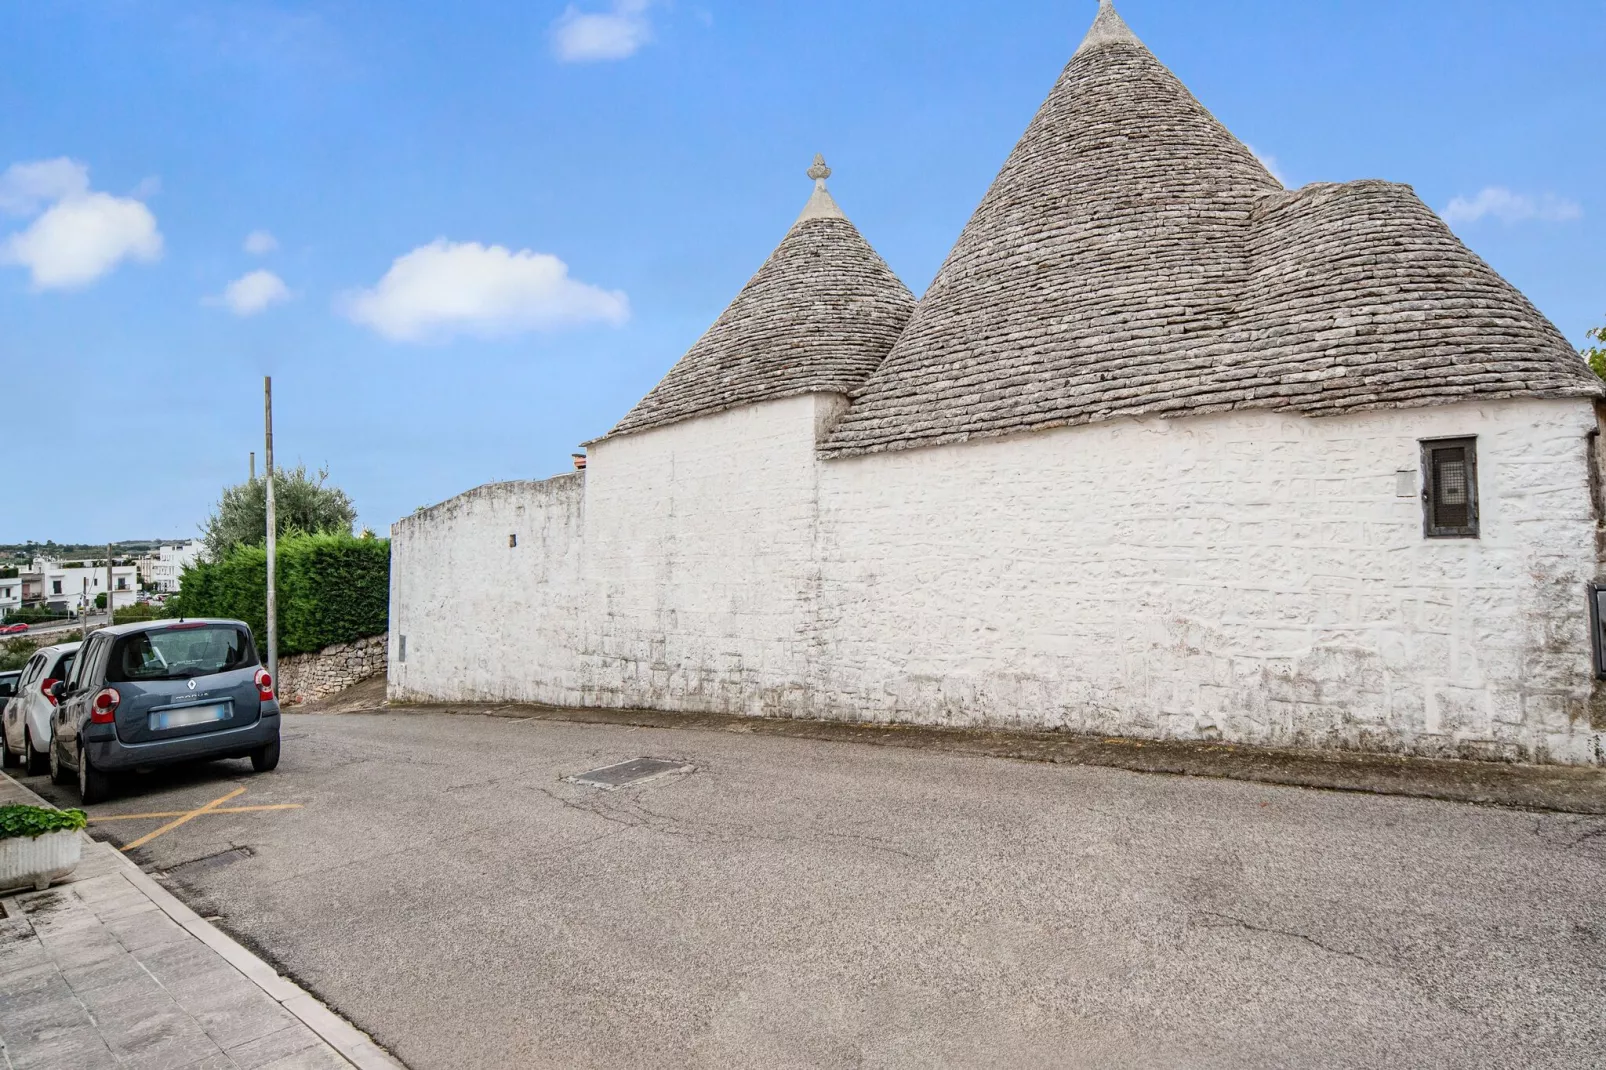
<point x="189" y="715"/>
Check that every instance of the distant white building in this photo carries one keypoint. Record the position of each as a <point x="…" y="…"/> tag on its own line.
<point x="10" y="596"/>
<point x="162" y="570"/>
<point x="68" y="585"/>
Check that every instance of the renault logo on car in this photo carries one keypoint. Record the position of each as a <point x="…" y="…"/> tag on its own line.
<point x="192" y="685"/>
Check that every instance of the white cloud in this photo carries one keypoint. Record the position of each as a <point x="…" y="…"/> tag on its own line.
<point x="1269" y="162"/>
<point x="447" y="288"/>
<point x="82" y="237"/>
<point x="260" y="243"/>
<point x="27" y="187"/>
<point x="252" y="293"/>
<point x="1509" y="208"/>
<point x="580" y="37"/>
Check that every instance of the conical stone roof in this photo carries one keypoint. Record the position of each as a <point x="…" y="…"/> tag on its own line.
<point x="1134" y="258"/>
<point x="819" y="316"/>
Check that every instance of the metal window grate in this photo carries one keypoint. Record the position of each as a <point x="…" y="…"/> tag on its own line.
<point x="1450" y="488"/>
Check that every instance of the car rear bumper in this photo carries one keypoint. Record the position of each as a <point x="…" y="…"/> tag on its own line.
<point x="113" y="754"/>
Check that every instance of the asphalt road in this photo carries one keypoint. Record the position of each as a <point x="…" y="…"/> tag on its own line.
<point x="797" y="903"/>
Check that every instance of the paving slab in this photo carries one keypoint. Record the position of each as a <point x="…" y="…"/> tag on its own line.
<point x="107" y="969"/>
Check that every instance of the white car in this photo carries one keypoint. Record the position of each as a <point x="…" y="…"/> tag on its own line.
<point x="28" y="717"/>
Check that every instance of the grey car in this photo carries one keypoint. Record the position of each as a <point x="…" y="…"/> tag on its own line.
<point x="159" y="692"/>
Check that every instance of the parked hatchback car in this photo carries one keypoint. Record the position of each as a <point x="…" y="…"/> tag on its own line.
<point x="154" y="693"/>
<point x="27" y="719"/>
<point x="13" y="629"/>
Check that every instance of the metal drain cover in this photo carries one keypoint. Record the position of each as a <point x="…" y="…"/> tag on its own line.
<point x="624" y="774"/>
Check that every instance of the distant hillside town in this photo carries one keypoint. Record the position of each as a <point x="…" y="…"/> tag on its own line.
<point x="63" y="586"/>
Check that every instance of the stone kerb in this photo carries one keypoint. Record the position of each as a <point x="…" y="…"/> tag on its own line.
<point x="304" y="677"/>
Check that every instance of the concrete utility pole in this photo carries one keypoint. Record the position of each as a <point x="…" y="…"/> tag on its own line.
<point x="253" y="466"/>
<point x="109" y="617"/>
<point x="273" y="537"/>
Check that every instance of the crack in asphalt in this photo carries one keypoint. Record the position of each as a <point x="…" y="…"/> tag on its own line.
<point x="1228" y="920"/>
<point x="1548" y="832"/>
<point x="630" y="813"/>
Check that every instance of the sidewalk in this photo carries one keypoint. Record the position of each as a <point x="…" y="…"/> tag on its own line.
<point x="108" y="969"/>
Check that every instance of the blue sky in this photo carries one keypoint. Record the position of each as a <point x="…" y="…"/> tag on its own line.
<point x="484" y="230"/>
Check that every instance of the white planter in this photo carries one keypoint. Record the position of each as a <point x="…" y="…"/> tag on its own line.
<point x="38" y="860"/>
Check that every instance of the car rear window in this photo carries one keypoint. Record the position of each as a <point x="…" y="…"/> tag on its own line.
<point x="179" y="653"/>
<point x="63" y="667"/>
<point x="8" y="684"/>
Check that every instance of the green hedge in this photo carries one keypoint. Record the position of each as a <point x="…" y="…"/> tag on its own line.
<point x="35" y="616"/>
<point x="332" y="589"/>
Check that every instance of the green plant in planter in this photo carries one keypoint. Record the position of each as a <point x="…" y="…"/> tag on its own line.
<point x="35" y="821"/>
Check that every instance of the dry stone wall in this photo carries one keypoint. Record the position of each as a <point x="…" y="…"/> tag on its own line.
<point x="305" y="677"/>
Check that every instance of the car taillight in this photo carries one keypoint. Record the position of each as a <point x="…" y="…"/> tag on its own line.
<point x="264" y="685"/>
<point x="44" y="689"/>
<point x="103" y="709"/>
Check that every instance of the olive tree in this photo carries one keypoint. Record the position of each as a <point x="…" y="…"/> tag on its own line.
<point x="302" y="503"/>
<point x="1595" y="354"/>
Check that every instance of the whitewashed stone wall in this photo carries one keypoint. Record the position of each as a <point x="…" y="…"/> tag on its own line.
<point x="305" y="677"/>
<point x="1245" y="576"/>
<point x="484" y="619"/>
<point x="700" y="575"/>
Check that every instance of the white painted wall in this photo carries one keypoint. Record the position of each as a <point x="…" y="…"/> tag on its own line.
<point x="484" y="620"/>
<point x="700" y="576"/>
<point x="1244" y="576"/>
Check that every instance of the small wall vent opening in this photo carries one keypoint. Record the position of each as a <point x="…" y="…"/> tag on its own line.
<point x="1450" y="488"/>
<point x="512" y="541"/>
<point x="1597" y="627"/>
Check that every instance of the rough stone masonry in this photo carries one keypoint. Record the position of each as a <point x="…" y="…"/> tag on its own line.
<point x="305" y="677"/>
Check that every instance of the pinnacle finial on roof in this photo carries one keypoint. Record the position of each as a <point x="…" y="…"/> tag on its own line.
<point x="821" y="205"/>
<point x="1108" y="28"/>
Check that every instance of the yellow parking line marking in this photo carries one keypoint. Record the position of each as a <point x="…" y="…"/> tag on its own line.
<point x="181" y="813"/>
<point x="171" y="825"/>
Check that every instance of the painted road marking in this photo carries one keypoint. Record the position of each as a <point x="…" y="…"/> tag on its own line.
<point x="181" y="816"/>
<point x="181" y="813"/>
<point x="187" y="817"/>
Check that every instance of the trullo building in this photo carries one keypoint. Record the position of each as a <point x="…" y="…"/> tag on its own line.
<point x="1166" y="450"/>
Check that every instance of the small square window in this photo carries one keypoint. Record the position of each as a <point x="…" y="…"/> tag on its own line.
<point x="1450" y="488"/>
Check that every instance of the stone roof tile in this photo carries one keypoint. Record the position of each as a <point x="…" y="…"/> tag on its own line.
<point x="820" y="314"/>
<point x="1134" y="258"/>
